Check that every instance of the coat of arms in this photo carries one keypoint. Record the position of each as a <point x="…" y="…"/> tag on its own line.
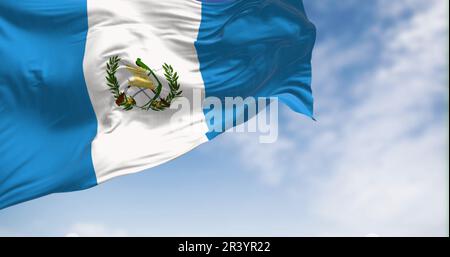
<point x="143" y="84"/>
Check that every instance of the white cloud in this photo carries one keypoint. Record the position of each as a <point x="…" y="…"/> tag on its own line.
<point x="376" y="160"/>
<point x="94" y="230"/>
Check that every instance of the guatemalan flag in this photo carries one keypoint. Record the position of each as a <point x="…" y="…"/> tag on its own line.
<point x="88" y="87"/>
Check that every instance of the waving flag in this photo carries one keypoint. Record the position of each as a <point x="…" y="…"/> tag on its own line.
<point x="88" y="87"/>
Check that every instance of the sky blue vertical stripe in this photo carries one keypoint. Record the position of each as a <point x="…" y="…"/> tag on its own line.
<point x="46" y="118"/>
<point x="258" y="48"/>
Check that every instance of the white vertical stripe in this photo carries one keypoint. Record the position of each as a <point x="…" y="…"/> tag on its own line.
<point x="158" y="31"/>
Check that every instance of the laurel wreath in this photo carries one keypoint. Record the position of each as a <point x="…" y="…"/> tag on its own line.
<point x="157" y="102"/>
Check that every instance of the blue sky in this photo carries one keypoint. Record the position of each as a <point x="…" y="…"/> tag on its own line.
<point x="375" y="162"/>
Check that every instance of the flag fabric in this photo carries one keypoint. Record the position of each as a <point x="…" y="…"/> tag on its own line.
<point x="86" y="85"/>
